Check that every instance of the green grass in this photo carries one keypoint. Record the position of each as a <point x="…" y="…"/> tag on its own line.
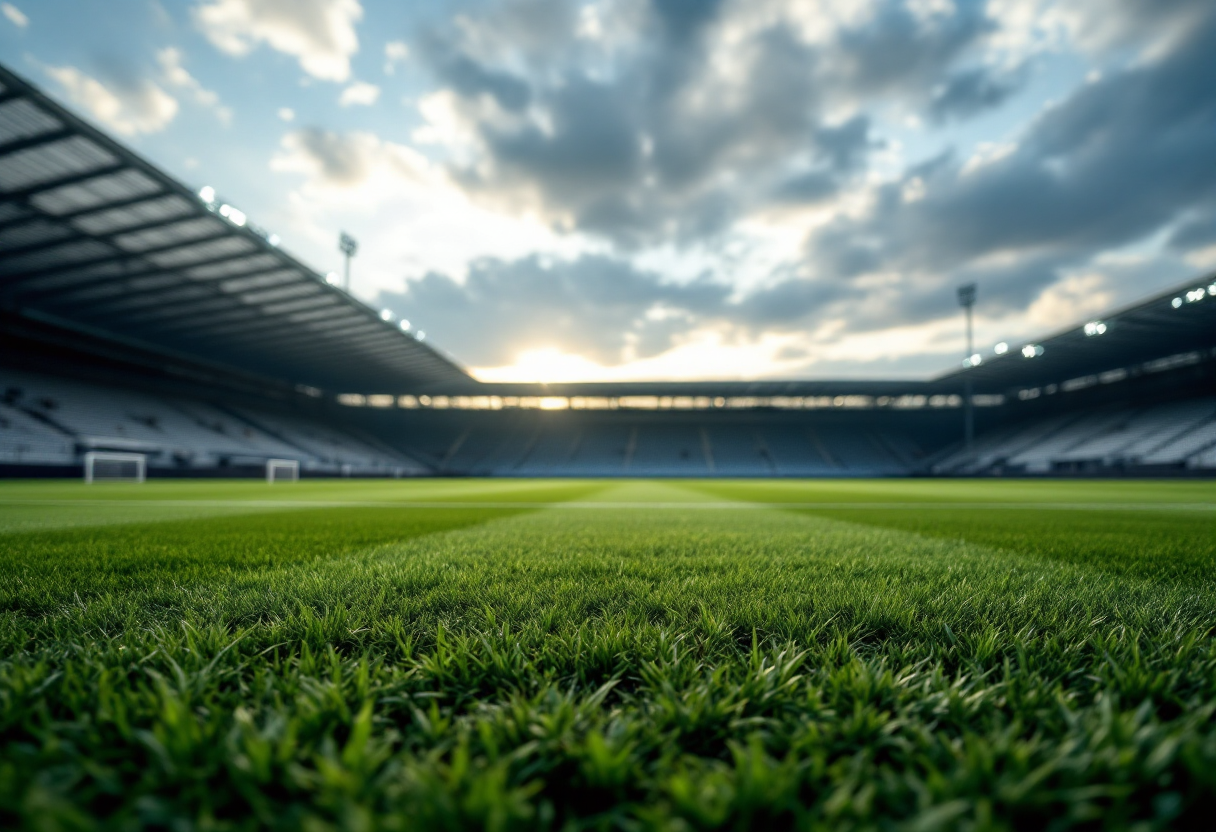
<point x="670" y="655"/>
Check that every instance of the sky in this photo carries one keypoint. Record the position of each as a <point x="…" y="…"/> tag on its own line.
<point x="563" y="190"/>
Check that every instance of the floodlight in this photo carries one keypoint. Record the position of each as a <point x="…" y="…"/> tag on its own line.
<point x="1095" y="328"/>
<point x="233" y="215"/>
<point x="421" y="336"/>
<point x="1030" y="351"/>
<point x="333" y="279"/>
<point x="206" y="194"/>
<point x="386" y="315"/>
<point x="976" y="359"/>
<point x="273" y="239"/>
<point x="1176" y="302"/>
<point x="1212" y="289"/>
<point x="405" y="325"/>
<point x="1001" y="348"/>
<point x="1195" y="295"/>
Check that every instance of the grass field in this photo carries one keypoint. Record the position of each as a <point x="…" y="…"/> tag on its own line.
<point x="608" y="655"/>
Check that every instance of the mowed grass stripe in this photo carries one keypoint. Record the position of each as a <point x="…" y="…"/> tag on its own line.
<point x="705" y="505"/>
<point x="607" y="669"/>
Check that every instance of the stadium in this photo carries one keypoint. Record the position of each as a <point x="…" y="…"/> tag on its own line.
<point x="271" y="560"/>
<point x="179" y="336"/>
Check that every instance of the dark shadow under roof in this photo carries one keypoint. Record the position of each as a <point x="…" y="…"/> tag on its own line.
<point x="95" y="236"/>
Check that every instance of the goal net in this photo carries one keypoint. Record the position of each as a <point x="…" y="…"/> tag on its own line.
<point x="279" y="470"/>
<point x="100" y="466"/>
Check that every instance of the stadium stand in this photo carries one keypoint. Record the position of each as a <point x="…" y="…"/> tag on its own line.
<point x="1178" y="435"/>
<point x="141" y="315"/>
<point x="52" y="421"/>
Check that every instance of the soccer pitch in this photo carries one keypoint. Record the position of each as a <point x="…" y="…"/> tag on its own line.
<point x="552" y="654"/>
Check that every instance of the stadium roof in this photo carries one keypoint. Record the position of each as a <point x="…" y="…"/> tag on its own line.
<point x="1172" y="324"/>
<point x="95" y="236"/>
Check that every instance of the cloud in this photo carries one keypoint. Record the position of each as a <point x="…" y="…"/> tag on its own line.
<point x="594" y="317"/>
<point x="598" y="307"/>
<point x="127" y="104"/>
<point x="1039" y="221"/>
<point x="339" y="161"/>
<point x="1116" y="161"/>
<point x="632" y="188"/>
<point x="176" y="75"/>
<point x="395" y="51"/>
<point x="970" y="92"/>
<point x="359" y="92"/>
<point x="377" y="189"/>
<point x="287" y="114"/>
<point x="14" y="15"/>
<point x="691" y="116"/>
<point x="319" y="33"/>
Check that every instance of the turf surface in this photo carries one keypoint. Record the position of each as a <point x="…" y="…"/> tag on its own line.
<point x="608" y="655"/>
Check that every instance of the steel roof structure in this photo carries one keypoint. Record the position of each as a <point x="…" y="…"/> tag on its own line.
<point x="92" y="235"/>
<point x="1176" y="324"/>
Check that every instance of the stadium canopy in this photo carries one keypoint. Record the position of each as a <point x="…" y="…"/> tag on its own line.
<point x="93" y="236"/>
<point x="1172" y="328"/>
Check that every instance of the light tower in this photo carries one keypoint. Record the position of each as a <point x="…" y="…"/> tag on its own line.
<point x="348" y="246"/>
<point x="966" y="299"/>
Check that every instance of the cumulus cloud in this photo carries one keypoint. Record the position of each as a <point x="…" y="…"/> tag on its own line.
<point x="601" y="308"/>
<point x="14" y="15"/>
<point x="1116" y="161"/>
<point x="176" y="75"/>
<point x="396" y="201"/>
<point x="730" y="178"/>
<point x="972" y="91"/>
<point x="704" y="129"/>
<point x="599" y="317"/>
<point x="690" y="116"/>
<point x="319" y="33"/>
<point x="361" y="93"/>
<point x="340" y="161"/>
<point x="125" y="102"/>
<point x="395" y="51"/>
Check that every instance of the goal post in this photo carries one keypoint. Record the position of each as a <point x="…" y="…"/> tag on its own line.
<point x="278" y="470"/>
<point x="103" y="466"/>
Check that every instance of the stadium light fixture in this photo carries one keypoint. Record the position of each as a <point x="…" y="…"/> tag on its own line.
<point x="386" y="314"/>
<point x="405" y="325"/>
<point x="348" y="246"/>
<point x="233" y="215"/>
<point x="274" y="240"/>
<point x="1176" y="302"/>
<point x="1001" y="348"/>
<point x="1212" y="289"/>
<point x="1095" y="328"/>
<point x="207" y="194"/>
<point x="1195" y="295"/>
<point x="421" y="336"/>
<point x="1032" y="351"/>
<point x="333" y="279"/>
